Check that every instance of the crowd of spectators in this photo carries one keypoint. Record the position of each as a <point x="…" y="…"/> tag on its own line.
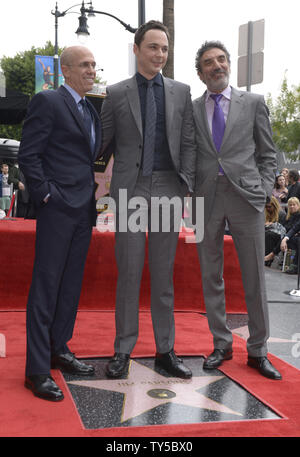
<point x="12" y="180"/>
<point x="5" y="189"/>
<point x="282" y="222"/>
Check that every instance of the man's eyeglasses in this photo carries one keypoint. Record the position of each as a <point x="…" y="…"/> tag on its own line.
<point x="85" y="65"/>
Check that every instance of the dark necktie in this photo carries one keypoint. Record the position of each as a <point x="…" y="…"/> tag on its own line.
<point x="218" y="124"/>
<point x="88" y="120"/>
<point x="150" y="130"/>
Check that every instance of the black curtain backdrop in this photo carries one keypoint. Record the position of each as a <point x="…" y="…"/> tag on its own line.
<point x="13" y="107"/>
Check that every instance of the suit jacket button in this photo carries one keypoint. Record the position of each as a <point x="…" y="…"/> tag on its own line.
<point x="138" y="165"/>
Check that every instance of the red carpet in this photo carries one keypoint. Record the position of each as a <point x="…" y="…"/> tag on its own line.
<point x="23" y="415"/>
<point x="98" y="292"/>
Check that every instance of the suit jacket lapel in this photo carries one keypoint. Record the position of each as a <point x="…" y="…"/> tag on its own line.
<point x="236" y="105"/>
<point x="201" y="119"/>
<point x="71" y="104"/>
<point x="135" y="106"/>
<point x="134" y="102"/>
<point x="98" y="132"/>
<point x="169" y="106"/>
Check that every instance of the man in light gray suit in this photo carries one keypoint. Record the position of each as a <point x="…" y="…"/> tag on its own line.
<point x="150" y="118"/>
<point x="236" y="163"/>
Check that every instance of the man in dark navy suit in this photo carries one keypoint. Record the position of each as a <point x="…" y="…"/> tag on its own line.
<point x="60" y="141"/>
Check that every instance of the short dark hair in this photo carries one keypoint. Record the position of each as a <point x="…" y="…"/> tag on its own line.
<point x="206" y="47"/>
<point x="150" y="25"/>
<point x="294" y="174"/>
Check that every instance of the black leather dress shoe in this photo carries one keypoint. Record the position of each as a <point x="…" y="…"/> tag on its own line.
<point x="173" y="365"/>
<point x="264" y="366"/>
<point x="44" y="386"/>
<point x="68" y="363"/>
<point x="118" y="365"/>
<point x="216" y="358"/>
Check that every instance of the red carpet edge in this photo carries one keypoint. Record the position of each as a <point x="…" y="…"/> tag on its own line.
<point x="23" y="415"/>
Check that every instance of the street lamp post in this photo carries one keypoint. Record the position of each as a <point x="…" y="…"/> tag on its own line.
<point x="83" y="27"/>
<point x="142" y="12"/>
<point x="58" y="14"/>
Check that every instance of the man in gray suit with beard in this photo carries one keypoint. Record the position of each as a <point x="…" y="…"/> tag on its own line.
<point x="150" y="118"/>
<point x="236" y="163"/>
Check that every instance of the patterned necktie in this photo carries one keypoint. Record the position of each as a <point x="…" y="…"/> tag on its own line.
<point x="150" y="130"/>
<point x="88" y="120"/>
<point x="218" y="125"/>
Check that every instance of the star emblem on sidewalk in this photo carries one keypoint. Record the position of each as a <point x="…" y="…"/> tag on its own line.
<point x="145" y="389"/>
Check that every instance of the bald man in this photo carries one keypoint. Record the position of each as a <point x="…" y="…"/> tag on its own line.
<point x="60" y="140"/>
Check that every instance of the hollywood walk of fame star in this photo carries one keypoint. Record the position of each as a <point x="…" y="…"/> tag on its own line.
<point x="145" y="389"/>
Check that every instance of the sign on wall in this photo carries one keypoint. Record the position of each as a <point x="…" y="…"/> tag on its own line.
<point x="44" y="73"/>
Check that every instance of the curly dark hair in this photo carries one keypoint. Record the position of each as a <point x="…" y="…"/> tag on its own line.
<point x="206" y="47"/>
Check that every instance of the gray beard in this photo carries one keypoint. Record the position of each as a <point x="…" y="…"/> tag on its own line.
<point x="219" y="85"/>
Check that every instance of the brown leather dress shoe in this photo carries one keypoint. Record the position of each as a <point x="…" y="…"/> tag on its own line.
<point x="216" y="358"/>
<point x="68" y="363"/>
<point x="264" y="366"/>
<point x="173" y="365"/>
<point x="44" y="386"/>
